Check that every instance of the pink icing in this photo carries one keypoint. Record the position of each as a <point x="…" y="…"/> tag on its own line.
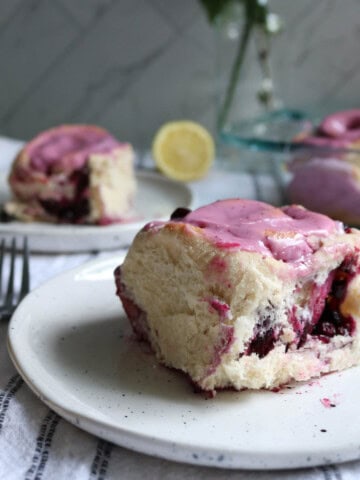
<point x="345" y="125"/>
<point x="68" y="147"/>
<point x="339" y="192"/>
<point x="258" y="227"/>
<point x="337" y="131"/>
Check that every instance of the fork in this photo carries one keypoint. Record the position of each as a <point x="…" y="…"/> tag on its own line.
<point x="10" y="299"/>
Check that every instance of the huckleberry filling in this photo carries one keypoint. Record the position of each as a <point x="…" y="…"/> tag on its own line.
<point x="326" y="322"/>
<point x="332" y="322"/>
<point x="69" y="211"/>
<point x="75" y="209"/>
<point x="264" y="338"/>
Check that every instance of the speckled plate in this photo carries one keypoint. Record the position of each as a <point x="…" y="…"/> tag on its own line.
<point x="72" y="344"/>
<point x="157" y="197"/>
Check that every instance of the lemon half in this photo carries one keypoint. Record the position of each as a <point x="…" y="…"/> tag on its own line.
<point x="183" y="150"/>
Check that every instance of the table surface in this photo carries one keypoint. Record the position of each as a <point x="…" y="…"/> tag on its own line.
<point x="36" y="443"/>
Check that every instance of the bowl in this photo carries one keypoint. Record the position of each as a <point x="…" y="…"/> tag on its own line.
<point x="323" y="178"/>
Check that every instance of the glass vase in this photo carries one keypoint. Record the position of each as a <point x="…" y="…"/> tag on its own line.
<point x="250" y="111"/>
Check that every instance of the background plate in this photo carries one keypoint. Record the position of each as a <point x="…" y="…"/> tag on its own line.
<point x="79" y="357"/>
<point x="157" y="197"/>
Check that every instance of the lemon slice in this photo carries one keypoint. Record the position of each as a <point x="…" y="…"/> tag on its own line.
<point x="183" y="150"/>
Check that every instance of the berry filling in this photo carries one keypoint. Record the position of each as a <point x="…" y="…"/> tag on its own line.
<point x="332" y="322"/>
<point x="264" y="340"/>
<point x="326" y="320"/>
<point x="67" y="211"/>
<point x="71" y="210"/>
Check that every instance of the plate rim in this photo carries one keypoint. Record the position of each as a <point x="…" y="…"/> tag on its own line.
<point x="143" y="442"/>
<point x="51" y="230"/>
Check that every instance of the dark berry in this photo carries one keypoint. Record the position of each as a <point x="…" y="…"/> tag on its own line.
<point x="264" y="338"/>
<point x="75" y="210"/>
<point x="262" y="344"/>
<point x="67" y="211"/>
<point x="180" y="212"/>
<point x="332" y="322"/>
<point x="327" y="329"/>
<point x="81" y="179"/>
<point x="339" y="289"/>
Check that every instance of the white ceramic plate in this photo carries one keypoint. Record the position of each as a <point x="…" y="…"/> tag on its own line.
<point x="71" y="342"/>
<point x="157" y="198"/>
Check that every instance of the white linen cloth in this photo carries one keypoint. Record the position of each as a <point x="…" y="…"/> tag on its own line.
<point x="35" y="443"/>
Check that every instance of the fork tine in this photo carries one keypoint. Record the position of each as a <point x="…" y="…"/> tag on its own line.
<point x="25" y="277"/>
<point x="10" y="286"/>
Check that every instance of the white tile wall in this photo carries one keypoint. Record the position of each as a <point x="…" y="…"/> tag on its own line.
<point x="317" y="56"/>
<point x="130" y="65"/>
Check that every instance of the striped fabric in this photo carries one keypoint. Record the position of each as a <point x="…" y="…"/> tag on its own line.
<point x="35" y="443"/>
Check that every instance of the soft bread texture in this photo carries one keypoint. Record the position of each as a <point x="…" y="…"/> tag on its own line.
<point x="112" y="185"/>
<point x="200" y="305"/>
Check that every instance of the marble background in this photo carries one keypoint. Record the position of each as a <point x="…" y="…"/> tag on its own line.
<point x="131" y="65"/>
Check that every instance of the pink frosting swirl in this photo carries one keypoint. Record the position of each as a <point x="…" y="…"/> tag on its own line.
<point x="338" y="130"/>
<point x="67" y="147"/>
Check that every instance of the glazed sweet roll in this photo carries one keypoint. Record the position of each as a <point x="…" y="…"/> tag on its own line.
<point x="327" y="178"/>
<point x="239" y="294"/>
<point x="73" y="174"/>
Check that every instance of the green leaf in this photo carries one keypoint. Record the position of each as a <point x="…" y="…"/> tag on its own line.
<point x="214" y="8"/>
<point x="256" y="12"/>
